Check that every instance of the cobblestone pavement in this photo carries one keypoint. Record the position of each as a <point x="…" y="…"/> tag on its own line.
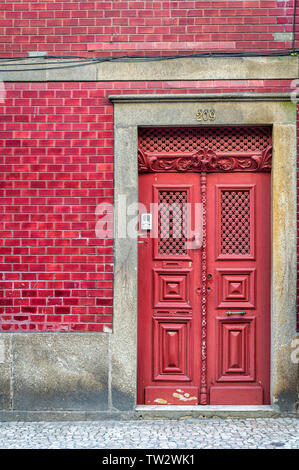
<point x="251" y="433"/>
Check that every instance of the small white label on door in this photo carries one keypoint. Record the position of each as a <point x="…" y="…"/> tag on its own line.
<point x="146" y="221"/>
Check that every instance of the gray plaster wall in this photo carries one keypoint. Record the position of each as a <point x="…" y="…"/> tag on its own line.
<point x="63" y="376"/>
<point x="54" y="371"/>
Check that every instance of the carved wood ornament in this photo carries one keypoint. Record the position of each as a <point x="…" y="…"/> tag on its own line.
<point x="205" y="160"/>
<point x="203" y="381"/>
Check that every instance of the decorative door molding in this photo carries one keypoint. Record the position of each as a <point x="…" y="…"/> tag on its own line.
<point x="132" y="113"/>
<point x="204" y="160"/>
<point x="204" y="149"/>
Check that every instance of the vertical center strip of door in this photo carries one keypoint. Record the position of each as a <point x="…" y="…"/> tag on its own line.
<point x="203" y="380"/>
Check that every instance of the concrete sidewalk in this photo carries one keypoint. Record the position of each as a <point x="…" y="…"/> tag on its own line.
<point x="229" y="433"/>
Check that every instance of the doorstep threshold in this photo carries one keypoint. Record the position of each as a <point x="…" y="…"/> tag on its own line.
<point x="207" y="410"/>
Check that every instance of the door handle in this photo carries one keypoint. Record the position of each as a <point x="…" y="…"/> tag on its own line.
<point x="241" y="312"/>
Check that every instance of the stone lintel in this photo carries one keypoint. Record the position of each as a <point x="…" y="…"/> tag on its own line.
<point x="183" y="68"/>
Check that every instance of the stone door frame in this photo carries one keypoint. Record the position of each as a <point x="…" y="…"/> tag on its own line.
<point x="133" y="111"/>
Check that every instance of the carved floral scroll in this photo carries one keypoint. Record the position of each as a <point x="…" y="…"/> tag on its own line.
<point x="205" y="160"/>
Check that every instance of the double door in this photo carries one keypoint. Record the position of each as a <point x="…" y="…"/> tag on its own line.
<point x="204" y="288"/>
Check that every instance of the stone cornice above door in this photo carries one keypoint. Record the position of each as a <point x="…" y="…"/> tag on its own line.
<point x="203" y="97"/>
<point x="41" y="69"/>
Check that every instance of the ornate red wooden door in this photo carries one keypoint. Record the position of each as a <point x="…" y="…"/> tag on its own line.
<point x="204" y="279"/>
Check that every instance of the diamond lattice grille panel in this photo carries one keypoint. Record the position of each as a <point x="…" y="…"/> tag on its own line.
<point x="235" y="222"/>
<point x="221" y="139"/>
<point x="172" y="223"/>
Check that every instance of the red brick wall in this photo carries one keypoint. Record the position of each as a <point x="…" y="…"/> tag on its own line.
<point x="56" y="142"/>
<point x="144" y="27"/>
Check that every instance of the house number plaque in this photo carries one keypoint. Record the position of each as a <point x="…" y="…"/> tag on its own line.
<point x="206" y="115"/>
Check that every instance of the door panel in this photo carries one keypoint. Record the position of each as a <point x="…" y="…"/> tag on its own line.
<point x="236" y="350"/>
<point x="235" y="288"/>
<point x="171" y="349"/>
<point x="172" y="288"/>
<point x="179" y="395"/>
<point x="235" y="216"/>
